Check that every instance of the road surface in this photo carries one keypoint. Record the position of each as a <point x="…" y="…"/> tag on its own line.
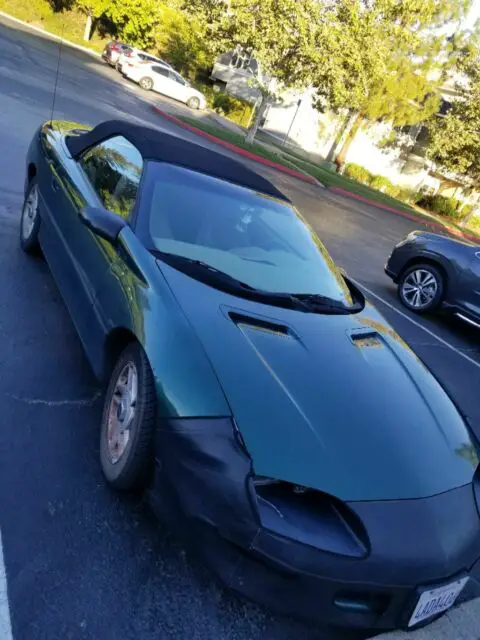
<point x="78" y="561"/>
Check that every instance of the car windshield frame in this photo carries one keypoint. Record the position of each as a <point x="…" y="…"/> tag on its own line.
<point x="333" y="286"/>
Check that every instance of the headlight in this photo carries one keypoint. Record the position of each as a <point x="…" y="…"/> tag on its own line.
<point x="310" y="517"/>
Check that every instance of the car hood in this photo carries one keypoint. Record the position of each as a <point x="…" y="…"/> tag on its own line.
<point x="333" y="402"/>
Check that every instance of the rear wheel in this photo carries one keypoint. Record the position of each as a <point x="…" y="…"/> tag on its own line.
<point x="128" y="422"/>
<point x="421" y="288"/>
<point x="193" y="102"/>
<point x="146" y="83"/>
<point x="30" y="219"/>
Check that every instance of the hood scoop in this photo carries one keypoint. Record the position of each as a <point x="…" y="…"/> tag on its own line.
<point x="262" y="324"/>
<point x="364" y="339"/>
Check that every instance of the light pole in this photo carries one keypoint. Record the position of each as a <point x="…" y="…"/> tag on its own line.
<point x="293" y="120"/>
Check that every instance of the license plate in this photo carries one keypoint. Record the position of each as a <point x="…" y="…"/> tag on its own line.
<point x="436" y="601"/>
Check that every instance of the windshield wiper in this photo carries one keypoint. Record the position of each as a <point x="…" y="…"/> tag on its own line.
<point x="309" y="303"/>
<point x="175" y="259"/>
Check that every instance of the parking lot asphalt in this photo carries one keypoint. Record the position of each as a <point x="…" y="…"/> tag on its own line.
<point x="80" y="561"/>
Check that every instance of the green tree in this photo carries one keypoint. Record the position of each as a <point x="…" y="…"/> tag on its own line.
<point x="454" y="140"/>
<point x="279" y="33"/>
<point x="383" y="60"/>
<point x="94" y="9"/>
<point x="136" y="21"/>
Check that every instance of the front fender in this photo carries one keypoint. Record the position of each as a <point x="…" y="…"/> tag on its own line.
<point x="137" y="298"/>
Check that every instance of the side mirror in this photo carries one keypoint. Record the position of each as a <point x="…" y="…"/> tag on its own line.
<point x="104" y="223"/>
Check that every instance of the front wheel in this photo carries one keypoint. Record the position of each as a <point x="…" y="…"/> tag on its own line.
<point x="193" y="103"/>
<point x="30" y="219"/>
<point x="421" y="288"/>
<point x="146" y="83"/>
<point x="128" y="421"/>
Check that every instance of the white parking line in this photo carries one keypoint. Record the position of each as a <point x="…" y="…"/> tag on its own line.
<point x="5" y="624"/>
<point x="417" y="324"/>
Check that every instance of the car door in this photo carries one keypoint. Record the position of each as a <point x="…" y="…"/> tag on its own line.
<point x="161" y="81"/>
<point x="107" y="175"/>
<point x="179" y="87"/>
<point x="470" y="286"/>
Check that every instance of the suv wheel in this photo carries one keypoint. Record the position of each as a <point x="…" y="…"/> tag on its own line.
<point x="421" y="288"/>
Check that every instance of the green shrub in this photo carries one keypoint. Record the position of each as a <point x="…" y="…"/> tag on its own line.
<point x="358" y="173"/>
<point x="233" y="109"/>
<point x="448" y="207"/>
<point x="383" y="184"/>
<point x="408" y="195"/>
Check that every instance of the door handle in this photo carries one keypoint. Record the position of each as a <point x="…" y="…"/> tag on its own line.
<point x="55" y="185"/>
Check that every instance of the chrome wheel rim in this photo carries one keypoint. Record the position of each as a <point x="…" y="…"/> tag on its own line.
<point x="194" y="103"/>
<point x="146" y="84"/>
<point x="121" y="412"/>
<point x="419" y="288"/>
<point x="29" y="213"/>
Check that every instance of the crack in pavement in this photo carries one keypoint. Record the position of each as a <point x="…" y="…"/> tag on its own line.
<point x="80" y="402"/>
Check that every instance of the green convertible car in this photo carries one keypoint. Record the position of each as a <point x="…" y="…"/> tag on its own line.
<point x="275" y="419"/>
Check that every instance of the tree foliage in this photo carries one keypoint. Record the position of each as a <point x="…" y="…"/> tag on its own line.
<point x="94" y="8"/>
<point x="384" y="59"/>
<point x="454" y="140"/>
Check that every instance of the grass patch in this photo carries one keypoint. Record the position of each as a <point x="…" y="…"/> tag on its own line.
<point x="239" y="140"/>
<point x="69" y="23"/>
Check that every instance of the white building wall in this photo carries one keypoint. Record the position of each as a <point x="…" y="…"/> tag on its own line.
<point x="308" y="124"/>
<point x="315" y="132"/>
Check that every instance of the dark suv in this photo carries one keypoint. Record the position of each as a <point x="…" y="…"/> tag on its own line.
<point x="434" y="271"/>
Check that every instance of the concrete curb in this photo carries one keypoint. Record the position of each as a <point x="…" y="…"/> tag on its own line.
<point x="50" y="35"/>
<point x="435" y="226"/>
<point x="460" y="623"/>
<point x="238" y="150"/>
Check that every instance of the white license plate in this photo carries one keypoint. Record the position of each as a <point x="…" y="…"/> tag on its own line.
<point x="436" y="601"/>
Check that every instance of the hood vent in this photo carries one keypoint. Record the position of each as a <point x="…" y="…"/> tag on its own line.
<point x="364" y="339"/>
<point x="244" y="320"/>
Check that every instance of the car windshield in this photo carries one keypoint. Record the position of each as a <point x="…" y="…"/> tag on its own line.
<point x="260" y="241"/>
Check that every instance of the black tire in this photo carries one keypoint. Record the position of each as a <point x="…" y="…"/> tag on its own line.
<point x="193" y="103"/>
<point x="146" y="83"/>
<point x="133" y="467"/>
<point x="29" y="230"/>
<point x="430" y="296"/>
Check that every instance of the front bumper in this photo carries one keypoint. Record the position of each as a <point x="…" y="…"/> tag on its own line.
<point x="199" y="489"/>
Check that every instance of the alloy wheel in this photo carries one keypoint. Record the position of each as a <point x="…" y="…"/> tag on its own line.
<point x="419" y="288"/>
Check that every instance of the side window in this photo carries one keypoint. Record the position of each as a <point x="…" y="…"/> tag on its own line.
<point x="177" y="78"/>
<point x="161" y="70"/>
<point x="114" y="169"/>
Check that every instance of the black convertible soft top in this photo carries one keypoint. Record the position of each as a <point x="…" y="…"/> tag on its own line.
<point x="163" y="147"/>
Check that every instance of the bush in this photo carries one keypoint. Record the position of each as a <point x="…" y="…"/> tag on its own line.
<point x="408" y="195"/>
<point x="233" y="109"/>
<point x="448" y="207"/>
<point x="358" y="173"/>
<point x="383" y="184"/>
